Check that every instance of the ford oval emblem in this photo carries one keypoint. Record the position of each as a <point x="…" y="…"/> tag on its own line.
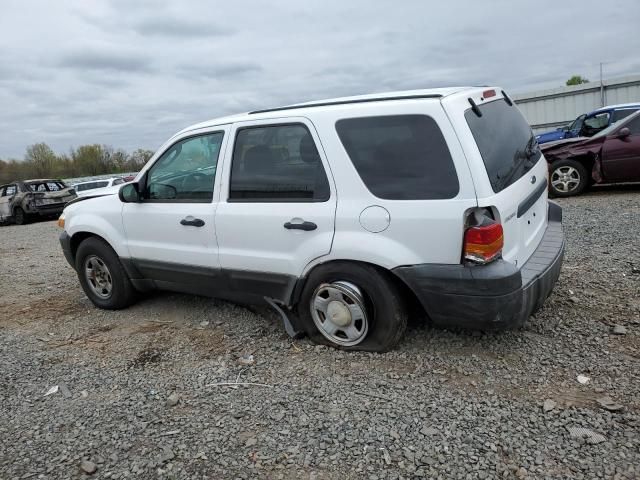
<point x="533" y="179"/>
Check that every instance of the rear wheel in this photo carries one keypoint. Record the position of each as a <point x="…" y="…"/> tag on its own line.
<point x="568" y="177"/>
<point x="102" y="276"/>
<point x="352" y="306"/>
<point x="19" y="216"/>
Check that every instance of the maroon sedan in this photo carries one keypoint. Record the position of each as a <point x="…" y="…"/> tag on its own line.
<point x="610" y="156"/>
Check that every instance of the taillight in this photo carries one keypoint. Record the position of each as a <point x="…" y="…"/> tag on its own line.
<point x="483" y="243"/>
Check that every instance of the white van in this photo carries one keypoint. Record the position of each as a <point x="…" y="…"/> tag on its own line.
<point x="339" y="213"/>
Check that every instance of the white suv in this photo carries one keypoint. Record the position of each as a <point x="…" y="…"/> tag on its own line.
<point x="338" y="213"/>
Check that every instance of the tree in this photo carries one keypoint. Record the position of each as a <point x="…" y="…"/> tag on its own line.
<point x="138" y="158"/>
<point x="40" y="160"/>
<point x="577" y="80"/>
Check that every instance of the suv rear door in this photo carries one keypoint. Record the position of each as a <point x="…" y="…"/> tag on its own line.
<point x="277" y="206"/>
<point x="509" y="171"/>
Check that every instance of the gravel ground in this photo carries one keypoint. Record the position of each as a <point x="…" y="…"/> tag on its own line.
<point x="139" y="395"/>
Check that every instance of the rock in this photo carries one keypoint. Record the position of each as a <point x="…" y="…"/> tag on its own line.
<point x="589" y="435"/>
<point x="428" y="431"/>
<point x="173" y="399"/>
<point x="548" y="405"/>
<point x="583" y="379"/>
<point x="246" y="359"/>
<point x="608" y="404"/>
<point x="574" y="299"/>
<point x="64" y="390"/>
<point x="88" y="467"/>
<point x="521" y="472"/>
<point x="251" y="441"/>
<point x="619" y="330"/>
<point x="167" y="454"/>
<point x="84" y="394"/>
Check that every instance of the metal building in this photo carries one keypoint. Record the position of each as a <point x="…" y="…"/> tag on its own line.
<point x="549" y="109"/>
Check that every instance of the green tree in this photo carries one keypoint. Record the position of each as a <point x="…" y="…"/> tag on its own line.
<point x="40" y="160"/>
<point x="577" y="80"/>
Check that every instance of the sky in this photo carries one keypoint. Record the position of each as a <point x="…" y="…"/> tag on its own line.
<point x="131" y="73"/>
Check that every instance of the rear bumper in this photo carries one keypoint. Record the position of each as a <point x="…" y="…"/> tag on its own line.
<point x="53" y="209"/>
<point x="494" y="296"/>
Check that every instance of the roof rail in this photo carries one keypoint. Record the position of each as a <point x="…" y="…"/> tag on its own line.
<point x="347" y="102"/>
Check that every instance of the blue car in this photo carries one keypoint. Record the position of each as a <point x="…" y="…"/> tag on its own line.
<point x="588" y="124"/>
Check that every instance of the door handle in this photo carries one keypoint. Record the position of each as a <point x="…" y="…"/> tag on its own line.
<point x="192" y="222"/>
<point x="306" y="226"/>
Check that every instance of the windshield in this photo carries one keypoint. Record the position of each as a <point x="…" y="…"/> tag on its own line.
<point x="505" y="140"/>
<point x="615" y="126"/>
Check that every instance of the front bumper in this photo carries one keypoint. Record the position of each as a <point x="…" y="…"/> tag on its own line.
<point x="65" y="243"/>
<point x="494" y="296"/>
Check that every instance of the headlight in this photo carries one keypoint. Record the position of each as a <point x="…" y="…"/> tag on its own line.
<point x="61" y="220"/>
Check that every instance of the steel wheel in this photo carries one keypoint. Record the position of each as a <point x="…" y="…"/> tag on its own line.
<point x="338" y="311"/>
<point x="98" y="276"/>
<point x="565" y="179"/>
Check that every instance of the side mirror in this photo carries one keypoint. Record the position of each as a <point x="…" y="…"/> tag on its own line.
<point x="624" y="133"/>
<point x="129" y="193"/>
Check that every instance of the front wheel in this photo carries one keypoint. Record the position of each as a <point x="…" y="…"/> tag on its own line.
<point x="102" y="276"/>
<point x="352" y="306"/>
<point x="568" y="178"/>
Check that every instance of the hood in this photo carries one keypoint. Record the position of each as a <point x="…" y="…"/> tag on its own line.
<point x="571" y="147"/>
<point x="97" y="193"/>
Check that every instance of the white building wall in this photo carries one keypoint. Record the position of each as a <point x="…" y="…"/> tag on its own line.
<point x="549" y="109"/>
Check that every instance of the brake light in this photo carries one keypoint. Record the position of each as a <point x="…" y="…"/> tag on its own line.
<point x="489" y="93"/>
<point x="483" y="243"/>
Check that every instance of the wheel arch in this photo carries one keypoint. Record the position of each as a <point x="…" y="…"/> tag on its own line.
<point x="408" y="296"/>
<point x="79" y="237"/>
<point x="587" y="159"/>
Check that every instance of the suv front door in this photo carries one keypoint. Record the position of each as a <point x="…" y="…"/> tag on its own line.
<point x="171" y="232"/>
<point x="277" y="206"/>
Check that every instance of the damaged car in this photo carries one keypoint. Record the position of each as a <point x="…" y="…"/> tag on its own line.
<point x="610" y="156"/>
<point x="24" y="200"/>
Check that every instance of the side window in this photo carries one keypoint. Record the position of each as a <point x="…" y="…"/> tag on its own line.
<point x="53" y="186"/>
<point x="593" y="125"/>
<point x="101" y="184"/>
<point x="400" y="157"/>
<point x="577" y="123"/>
<point x="2" y="191"/>
<point x="278" y="163"/>
<point x="186" y="171"/>
<point x="624" y="113"/>
<point x="118" y="181"/>
<point x="11" y="190"/>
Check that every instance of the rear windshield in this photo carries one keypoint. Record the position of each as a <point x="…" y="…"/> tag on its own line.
<point x="507" y="145"/>
<point x="46" y="186"/>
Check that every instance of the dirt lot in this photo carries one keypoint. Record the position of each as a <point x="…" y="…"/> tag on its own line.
<point x="442" y="405"/>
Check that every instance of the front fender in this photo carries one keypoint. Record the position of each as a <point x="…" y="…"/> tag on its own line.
<point x="104" y="219"/>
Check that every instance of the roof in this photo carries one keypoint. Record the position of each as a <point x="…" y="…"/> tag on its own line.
<point x="398" y="95"/>
<point x="621" y="105"/>
<point x="38" y="180"/>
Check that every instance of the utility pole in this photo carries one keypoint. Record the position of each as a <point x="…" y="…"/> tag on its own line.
<point x="601" y="88"/>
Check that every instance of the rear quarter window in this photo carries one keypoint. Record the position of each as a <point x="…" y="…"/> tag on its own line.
<point x="400" y="157"/>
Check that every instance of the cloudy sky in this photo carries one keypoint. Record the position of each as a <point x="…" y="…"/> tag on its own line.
<point x="131" y="73"/>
